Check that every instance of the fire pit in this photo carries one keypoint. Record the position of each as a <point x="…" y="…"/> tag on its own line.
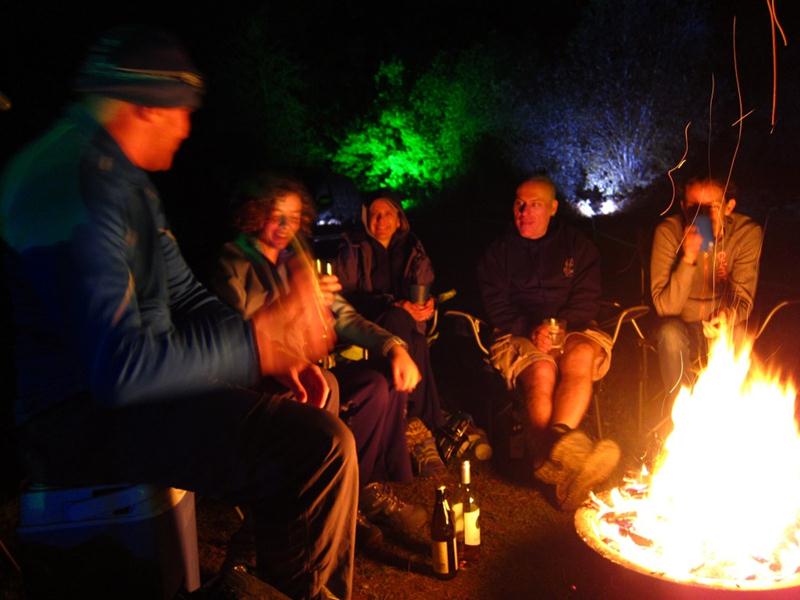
<point x="721" y="508"/>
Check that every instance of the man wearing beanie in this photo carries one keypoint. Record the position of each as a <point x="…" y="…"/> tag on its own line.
<point x="128" y="369"/>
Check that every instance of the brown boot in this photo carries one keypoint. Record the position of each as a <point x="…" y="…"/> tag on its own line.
<point x="565" y="459"/>
<point x="596" y="468"/>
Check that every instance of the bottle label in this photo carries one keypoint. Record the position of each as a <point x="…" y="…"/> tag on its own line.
<point x="472" y="528"/>
<point x="458" y="519"/>
<point x="439" y="556"/>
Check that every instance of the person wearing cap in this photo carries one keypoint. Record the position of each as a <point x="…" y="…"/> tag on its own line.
<point x="543" y="269"/>
<point x="272" y="213"/>
<point x="703" y="272"/>
<point x="129" y="370"/>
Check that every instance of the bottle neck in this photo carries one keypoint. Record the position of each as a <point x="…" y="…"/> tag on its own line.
<point x="465" y="474"/>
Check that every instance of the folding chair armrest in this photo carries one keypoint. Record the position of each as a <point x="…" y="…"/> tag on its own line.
<point x="475" y="326"/>
<point x="628" y="315"/>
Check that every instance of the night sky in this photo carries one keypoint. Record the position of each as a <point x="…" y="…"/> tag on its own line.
<point x="340" y="44"/>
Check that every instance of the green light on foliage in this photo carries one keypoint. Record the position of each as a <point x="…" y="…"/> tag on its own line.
<point x="419" y="138"/>
<point x="409" y="203"/>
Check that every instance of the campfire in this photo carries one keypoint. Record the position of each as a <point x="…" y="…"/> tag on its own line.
<point x="721" y="507"/>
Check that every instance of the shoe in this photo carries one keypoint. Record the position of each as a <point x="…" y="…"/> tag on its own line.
<point x="565" y="459"/>
<point x="242" y="546"/>
<point x="236" y="582"/>
<point x="451" y="440"/>
<point x="597" y="467"/>
<point x="425" y="457"/>
<point x="368" y="535"/>
<point x="380" y="505"/>
<point x="477" y="444"/>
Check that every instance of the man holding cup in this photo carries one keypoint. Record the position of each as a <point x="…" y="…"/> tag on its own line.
<point x="703" y="273"/>
<point x="540" y="285"/>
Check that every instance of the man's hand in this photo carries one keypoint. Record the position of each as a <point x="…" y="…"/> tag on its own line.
<point x="418" y="312"/>
<point x="307" y="384"/>
<point x="541" y="338"/>
<point x="405" y="373"/>
<point x="717" y="324"/>
<point x="329" y="285"/>
<point x="692" y="242"/>
<point x="295" y="330"/>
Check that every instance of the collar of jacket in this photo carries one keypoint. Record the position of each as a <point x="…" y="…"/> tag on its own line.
<point x="111" y="155"/>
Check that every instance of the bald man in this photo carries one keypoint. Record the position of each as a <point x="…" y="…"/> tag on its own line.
<point x="543" y="269"/>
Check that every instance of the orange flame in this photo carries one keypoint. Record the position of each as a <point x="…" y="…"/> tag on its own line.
<point x="723" y="502"/>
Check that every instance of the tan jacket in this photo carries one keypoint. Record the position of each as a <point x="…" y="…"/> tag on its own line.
<point x="693" y="292"/>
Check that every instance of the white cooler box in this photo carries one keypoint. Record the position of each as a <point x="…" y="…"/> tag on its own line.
<point x="151" y="529"/>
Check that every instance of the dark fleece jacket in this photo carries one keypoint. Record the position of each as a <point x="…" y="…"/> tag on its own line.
<point x="524" y="281"/>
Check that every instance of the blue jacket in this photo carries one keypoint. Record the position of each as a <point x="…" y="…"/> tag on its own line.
<point x="104" y="305"/>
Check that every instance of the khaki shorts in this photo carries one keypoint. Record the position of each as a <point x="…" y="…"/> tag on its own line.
<point x="511" y="354"/>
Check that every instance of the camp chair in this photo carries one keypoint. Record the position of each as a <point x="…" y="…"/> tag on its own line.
<point x="344" y="353"/>
<point x="480" y="332"/>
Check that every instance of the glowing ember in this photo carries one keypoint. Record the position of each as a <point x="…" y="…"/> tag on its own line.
<point x="722" y="506"/>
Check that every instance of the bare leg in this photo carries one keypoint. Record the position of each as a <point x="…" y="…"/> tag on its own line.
<point x="536" y="384"/>
<point x="574" y="389"/>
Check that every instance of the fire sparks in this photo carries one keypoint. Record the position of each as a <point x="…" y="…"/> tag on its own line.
<point x="722" y="506"/>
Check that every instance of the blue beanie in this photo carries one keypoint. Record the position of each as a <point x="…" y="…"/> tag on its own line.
<point x="145" y="66"/>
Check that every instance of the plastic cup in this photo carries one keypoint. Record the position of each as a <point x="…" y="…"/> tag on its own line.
<point x="557" y="328"/>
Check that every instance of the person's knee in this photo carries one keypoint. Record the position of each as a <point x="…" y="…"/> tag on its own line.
<point x="338" y="443"/>
<point x="378" y="387"/>
<point x="671" y="336"/>
<point x="538" y="377"/>
<point x="578" y="359"/>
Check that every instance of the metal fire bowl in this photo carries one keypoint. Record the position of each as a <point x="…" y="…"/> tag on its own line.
<point x="584" y="526"/>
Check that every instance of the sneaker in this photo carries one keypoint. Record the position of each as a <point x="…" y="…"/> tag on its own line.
<point x="596" y="468"/>
<point x="425" y="457"/>
<point x="380" y="505"/>
<point x="368" y="535"/>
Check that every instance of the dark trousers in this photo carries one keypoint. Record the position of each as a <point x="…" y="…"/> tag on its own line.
<point x="375" y="413"/>
<point x="424" y="401"/>
<point x="292" y="465"/>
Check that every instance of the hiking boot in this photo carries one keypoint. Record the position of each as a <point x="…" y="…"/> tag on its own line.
<point x="451" y="440"/>
<point x="425" y="457"/>
<point x="380" y="505"/>
<point x="566" y="458"/>
<point x="596" y="468"/>
<point x="477" y="444"/>
<point x="368" y="535"/>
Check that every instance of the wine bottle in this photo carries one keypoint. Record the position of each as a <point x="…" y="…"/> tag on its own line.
<point x="443" y="538"/>
<point x="467" y="507"/>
